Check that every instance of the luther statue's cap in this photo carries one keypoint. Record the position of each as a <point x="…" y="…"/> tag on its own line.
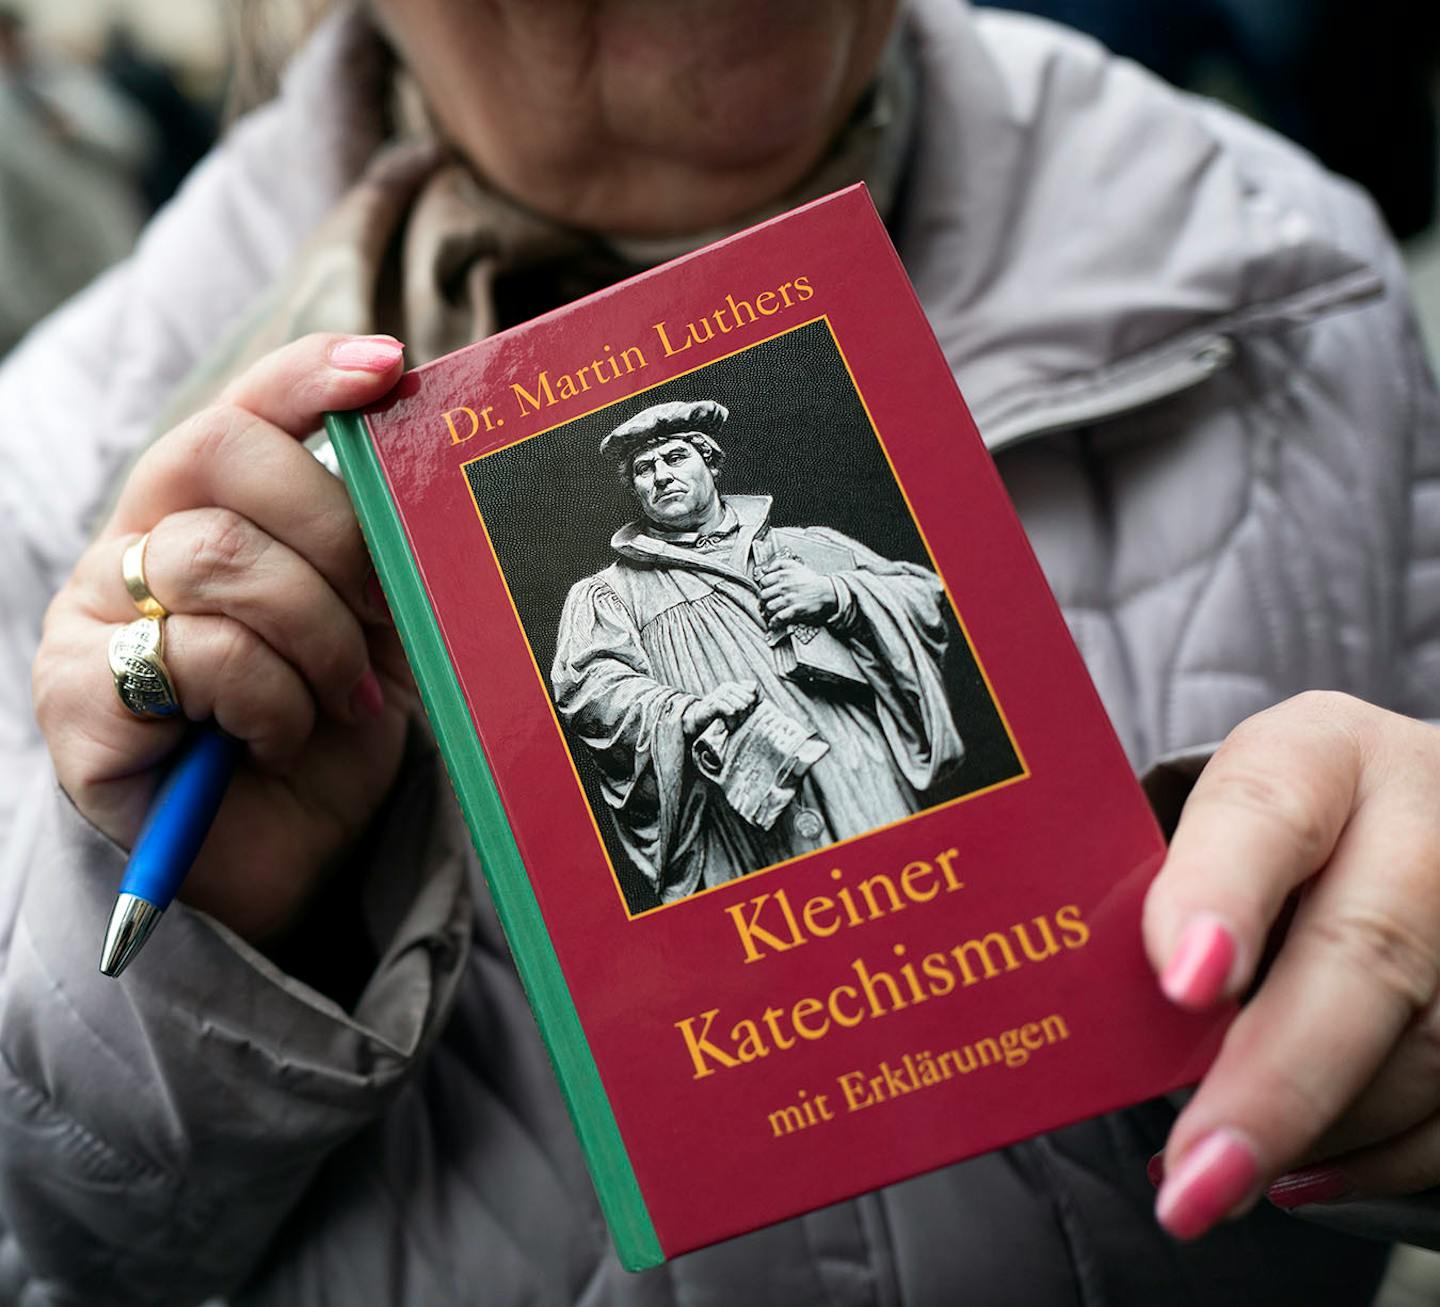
<point x="660" y="421"/>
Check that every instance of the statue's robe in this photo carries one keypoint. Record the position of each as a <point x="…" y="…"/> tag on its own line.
<point x="673" y="617"/>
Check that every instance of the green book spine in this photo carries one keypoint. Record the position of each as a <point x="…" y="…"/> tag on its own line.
<point x="615" y="1183"/>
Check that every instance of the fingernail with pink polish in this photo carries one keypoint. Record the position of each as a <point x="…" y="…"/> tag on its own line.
<point x="1212" y="1179"/>
<point x="1155" y="1169"/>
<point x="1315" y="1184"/>
<point x="367" y="354"/>
<point x="1200" y="964"/>
<point x="367" y="699"/>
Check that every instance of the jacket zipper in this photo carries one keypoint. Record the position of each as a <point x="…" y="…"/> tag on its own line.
<point x="1156" y="382"/>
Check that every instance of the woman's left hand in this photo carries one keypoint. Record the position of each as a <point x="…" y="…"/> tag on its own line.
<point x="1327" y="1085"/>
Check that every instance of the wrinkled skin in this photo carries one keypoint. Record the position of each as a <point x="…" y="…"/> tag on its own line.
<point x="641" y="117"/>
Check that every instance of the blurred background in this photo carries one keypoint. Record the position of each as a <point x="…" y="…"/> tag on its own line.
<point x="106" y="104"/>
<point x="103" y="109"/>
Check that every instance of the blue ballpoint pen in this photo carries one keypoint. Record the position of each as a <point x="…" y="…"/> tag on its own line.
<point x="175" y="827"/>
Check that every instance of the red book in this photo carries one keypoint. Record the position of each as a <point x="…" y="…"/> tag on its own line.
<point x="819" y="859"/>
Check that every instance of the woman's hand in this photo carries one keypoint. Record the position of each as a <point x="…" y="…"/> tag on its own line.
<point x="1328" y="1082"/>
<point x="277" y="631"/>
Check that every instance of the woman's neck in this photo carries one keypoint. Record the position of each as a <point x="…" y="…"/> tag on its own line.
<point x="641" y="117"/>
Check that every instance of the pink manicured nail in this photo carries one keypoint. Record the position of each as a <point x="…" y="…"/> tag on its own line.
<point x="367" y="354"/>
<point x="367" y="699"/>
<point x="1155" y="1169"/>
<point x="1201" y="963"/>
<point x="1213" y="1178"/>
<point x="1316" y="1184"/>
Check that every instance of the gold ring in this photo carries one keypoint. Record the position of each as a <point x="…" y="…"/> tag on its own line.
<point x="137" y="663"/>
<point x="132" y="568"/>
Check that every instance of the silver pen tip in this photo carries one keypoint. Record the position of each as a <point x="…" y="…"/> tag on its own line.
<point x="130" y="925"/>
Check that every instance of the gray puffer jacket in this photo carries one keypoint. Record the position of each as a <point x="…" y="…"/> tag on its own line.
<point x="1192" y="355"/>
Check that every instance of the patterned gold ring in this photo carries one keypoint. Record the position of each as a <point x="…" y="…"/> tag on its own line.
<point x="137" y="663"/>
<point x="132" y="568"/>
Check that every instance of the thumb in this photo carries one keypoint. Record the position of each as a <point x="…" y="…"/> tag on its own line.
<point x="293" y="387"/>
<point x="289" y="390"/>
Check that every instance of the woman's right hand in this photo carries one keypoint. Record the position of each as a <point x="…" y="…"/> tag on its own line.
<point x="277" y="631"/>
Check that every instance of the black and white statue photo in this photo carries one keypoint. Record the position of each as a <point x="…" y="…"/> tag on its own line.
<point x="737" y="621"/>
<point x="749" y="691"/>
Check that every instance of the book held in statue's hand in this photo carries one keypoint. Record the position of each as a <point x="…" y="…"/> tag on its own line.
<point x="820" y="862"/>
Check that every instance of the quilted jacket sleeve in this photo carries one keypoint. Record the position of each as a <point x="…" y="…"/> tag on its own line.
<point x="155" y="1131"/>
<point x="1392" y="409"/>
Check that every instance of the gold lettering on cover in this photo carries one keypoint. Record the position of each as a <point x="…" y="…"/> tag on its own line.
<point x="665" y="342"/>
<point x="776" y="922"/>
<point x="945" y="860"/>
<point x="839" y="1017"/>
<point x="804" y="1010"/>
<point x="736" y="306"/>
<point x="811" y="912"/>
<point x="843" y="893"/>
<point x="692" y="329"/>
<point x="937" y="970"/>
<point x="980" y="948"/>
<point x="910" y="1071"/>
<point x="1021" y="933"/>
<point x="749" y="1042"/>
<point x="917" y="871"/>
<point x="918" y="995"/>
<point x="455" y="437"/>
<point x="891" y="893"/>
<point x="532" y="403"/>
<point x="852" y="1085"/>
<point x="771" y="1016"/>
<point x="787" y="1120"/>
<point x="1076" y="932"/>
<point x="752" y="934"/>
<point x="801" y="1114"/>
<point x="870" y="983"/>
<point x="702" y="1050"/>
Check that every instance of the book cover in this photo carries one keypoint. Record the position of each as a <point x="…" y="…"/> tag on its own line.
<point x="819" y="860"/>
